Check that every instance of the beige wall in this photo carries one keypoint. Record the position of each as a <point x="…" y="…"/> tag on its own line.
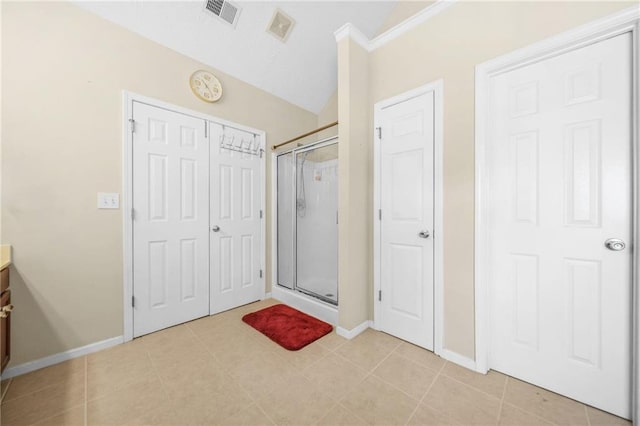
<point x="402" y="11"/>
<point x="449" y="46"/>
<point x="354" y="200"/>
<point x="63" y="70"/>
<point x="328" y="114"/>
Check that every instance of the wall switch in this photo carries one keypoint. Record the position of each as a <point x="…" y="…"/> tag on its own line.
<point x="108" y="200"/>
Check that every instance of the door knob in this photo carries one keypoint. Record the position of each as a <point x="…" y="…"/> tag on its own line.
<point x="215" y="228"/>
<point x="423" y="234"/>
<point x="614" y="244"/>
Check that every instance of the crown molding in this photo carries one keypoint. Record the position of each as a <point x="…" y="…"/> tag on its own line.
<point x="410" y="23"/>
<point x="349" y="30"/>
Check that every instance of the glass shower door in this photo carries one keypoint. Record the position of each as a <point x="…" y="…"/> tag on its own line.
<point x="286" y="250"/>
<point x="316" y="220"/>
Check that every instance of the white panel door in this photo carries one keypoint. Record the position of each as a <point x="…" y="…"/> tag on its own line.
<point x="236" y="226"/>
<point x="560" y="167"/>
<point x="171" y="218"/>
<point x="406" y="199"/>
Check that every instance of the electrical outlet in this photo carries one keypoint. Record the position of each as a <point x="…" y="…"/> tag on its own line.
<point x="108" y="200"/>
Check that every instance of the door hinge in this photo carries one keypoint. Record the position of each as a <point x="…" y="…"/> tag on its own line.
<point x="205" y="129"/>
<point x="260" y="214"/>
<point x="379" y="130"/>
<point x="132" y="125"/>
<point x="379" y="295"/>
<point x="337" y="223"/>
<point x="133" y="214"/>
<point x="133" y="302"/>
<point x="260" y="273"/>
<point x="379" y="214"/>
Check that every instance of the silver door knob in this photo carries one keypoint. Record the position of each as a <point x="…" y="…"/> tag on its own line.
<point x="215" y="228"/>
<point x="614" y="244"/>
<point x="423" y="234"/>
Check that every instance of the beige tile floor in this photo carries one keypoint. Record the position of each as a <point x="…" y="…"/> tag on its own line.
<point x="218" y="370"/>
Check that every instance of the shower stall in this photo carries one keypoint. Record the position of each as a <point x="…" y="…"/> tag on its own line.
<point x="307" y="220"/>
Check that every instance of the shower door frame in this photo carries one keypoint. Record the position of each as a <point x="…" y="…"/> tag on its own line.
<point x="294" y="236"/>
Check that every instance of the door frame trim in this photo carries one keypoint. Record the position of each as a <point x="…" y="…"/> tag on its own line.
<point x="128" y="98"/>
<point x="619" y="23"/>
<point x="437" y="87"/>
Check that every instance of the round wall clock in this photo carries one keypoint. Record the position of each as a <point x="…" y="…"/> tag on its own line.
<point x="205" y="86"/>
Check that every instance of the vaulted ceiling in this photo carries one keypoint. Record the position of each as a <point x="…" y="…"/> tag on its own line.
<point x="302" y="71"/>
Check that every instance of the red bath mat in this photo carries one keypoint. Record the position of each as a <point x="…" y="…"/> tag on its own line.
<point x="286" y="326"/>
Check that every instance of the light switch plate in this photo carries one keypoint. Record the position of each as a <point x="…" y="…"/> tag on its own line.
<point x="108" y="200"/>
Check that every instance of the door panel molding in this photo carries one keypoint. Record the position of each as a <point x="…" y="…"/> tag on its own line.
<point x="128" y="98"/>
<point x="437" y="88"/>
<point x="626" y="21"/>
<point x="234" y="213"/>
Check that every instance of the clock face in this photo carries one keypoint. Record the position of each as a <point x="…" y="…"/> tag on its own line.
<point x="205" y="86"/>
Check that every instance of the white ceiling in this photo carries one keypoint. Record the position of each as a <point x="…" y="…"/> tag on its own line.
<point x="302" y="71"/>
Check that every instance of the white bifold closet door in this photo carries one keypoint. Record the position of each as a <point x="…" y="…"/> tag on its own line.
<point x="236" y="224"/>
<point x="170" y="218"/>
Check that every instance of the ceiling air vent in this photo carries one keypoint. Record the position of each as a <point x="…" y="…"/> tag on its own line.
<point x="280" y="25"/>
<point x="224" y="10"/>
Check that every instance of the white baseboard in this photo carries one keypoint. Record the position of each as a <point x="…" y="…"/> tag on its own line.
<point x="60" y="357"/>
<point x="350" y="334"/>
<point x="267" y="295"/>
<point x="461" y="360"/>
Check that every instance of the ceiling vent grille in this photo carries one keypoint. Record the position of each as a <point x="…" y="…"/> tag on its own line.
<point x="280" y="25"/>
<point x="223" y="9"/>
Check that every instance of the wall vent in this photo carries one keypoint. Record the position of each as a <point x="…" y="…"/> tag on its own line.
<point x="223" y="9"/>
<point x="280" y="25"/>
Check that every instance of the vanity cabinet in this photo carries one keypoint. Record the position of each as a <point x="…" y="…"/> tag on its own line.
<point x="5" y="319"/>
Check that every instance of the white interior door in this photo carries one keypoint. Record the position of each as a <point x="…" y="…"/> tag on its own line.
<point x="559" y="173"/>
<point x="236" y="224"/>
<point x="406" y="225"/>
<point x="170" y="219"/>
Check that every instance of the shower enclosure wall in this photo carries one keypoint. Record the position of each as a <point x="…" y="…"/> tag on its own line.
<point x="308" y="220"/>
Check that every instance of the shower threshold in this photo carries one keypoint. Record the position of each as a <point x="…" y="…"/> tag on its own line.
<point x="307" y="303"/>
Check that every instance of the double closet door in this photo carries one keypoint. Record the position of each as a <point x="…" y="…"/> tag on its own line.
<point x="197" y="231"/>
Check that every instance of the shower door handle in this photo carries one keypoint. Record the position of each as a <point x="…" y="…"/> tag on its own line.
<point x="215" y="228"/>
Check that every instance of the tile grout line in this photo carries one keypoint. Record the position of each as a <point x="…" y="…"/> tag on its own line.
<point x="350" y="412"/>
<point x="227" y="374"/>
<point x="384" y="359"/>
<point x="433" y="382"/>
<point x="504" y="393"/>
<point x="370" y="374"/>
<point x="262" y="411"/>
<point x="471" y="386"/>
<point x="34" y="391"/>
<point x="393" y="351"/>
<point x="155" y="371"/>
<point x="586" y="414"/>
<point x="406" y="358"/>
<point x="537" y="416"/>
<point x="86" y="390"/>
<point x="6" y="390"/>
